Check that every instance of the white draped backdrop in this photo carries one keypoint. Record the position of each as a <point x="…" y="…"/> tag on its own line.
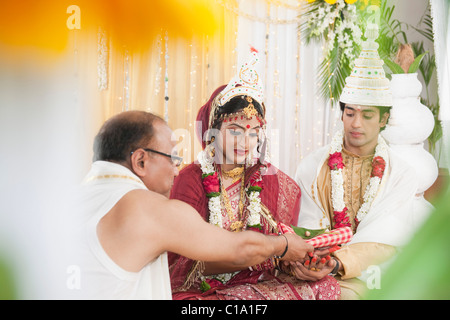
<point x="298" y="120"/>
<point x="440" y="11"/>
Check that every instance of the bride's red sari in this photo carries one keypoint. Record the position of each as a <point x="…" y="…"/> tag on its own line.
<point x="281" y="196"/>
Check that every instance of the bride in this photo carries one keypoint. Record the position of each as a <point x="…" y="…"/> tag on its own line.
<point x="233" y="188"/>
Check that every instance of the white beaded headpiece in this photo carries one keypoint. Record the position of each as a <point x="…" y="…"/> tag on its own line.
<point x="247" y="82"/>
<point x="367" y="84"/>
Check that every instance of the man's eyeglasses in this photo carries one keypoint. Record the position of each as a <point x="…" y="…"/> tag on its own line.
<point x="176" y="160"/>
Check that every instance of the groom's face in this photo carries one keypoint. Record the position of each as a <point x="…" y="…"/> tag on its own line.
<point x="362" y="124"/>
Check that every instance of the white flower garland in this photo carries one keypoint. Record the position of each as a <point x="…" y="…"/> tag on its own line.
<point x="337" y="179"/>
<point x="215" y="209"/>
<point x="254" y="208"/>
<point x="214" y="205"/>
<point x="207" y="167"/>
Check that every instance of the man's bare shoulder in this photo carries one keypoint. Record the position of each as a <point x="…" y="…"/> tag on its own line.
<point x="133" y="232"/>
<point x="142" y="196"/>
<point x="140" y="205"/>
<point x="143" y="216"/>
<point x="141" y="200"/>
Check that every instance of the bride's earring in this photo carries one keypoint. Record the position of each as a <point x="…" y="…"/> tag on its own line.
<point x="212" y="151"/>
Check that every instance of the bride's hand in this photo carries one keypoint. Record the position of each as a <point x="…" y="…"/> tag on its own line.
<point x="312" y="273"/>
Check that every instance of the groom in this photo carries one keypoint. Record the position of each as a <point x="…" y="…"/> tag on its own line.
<point x="357" y="181"/>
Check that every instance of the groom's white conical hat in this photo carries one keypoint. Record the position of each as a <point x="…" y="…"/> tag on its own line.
<point x="367" y="84"/>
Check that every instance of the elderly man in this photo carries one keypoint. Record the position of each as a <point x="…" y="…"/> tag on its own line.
<point x="357" y="181"/>
<point x="128" y="223"/>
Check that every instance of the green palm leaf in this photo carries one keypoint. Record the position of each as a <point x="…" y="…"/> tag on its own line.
<point x="395" y="68"/>
<point x="391" y="32"/>
<point x="425" y="25"/>
<point x="415" y="65"/>
<point x="333" y="71"/>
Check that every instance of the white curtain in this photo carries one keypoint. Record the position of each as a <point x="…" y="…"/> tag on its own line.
<point x="440" y="11"/>
<point x="298" y="120"/>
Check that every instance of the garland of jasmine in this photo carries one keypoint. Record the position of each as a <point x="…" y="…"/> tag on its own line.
<point x="335" y="162"/>
<point x="211" y="185"/>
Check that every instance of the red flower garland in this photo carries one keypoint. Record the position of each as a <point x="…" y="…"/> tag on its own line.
<point x="211" y="185"/>
<point x="335" y="161"/>
<point x="378" y="166"/>
<point x="340" y="218"/>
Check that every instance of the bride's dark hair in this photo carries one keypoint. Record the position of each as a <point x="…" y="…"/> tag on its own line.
<point x="234" y="105"/>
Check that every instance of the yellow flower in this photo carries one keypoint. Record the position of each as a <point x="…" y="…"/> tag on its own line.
<point x="351" y="1"/>
<point x="330" y="1"/>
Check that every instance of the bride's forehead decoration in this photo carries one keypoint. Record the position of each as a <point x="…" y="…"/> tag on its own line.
<point x="247" y="84"/>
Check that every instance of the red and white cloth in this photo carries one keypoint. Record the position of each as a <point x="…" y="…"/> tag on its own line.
<point x="334" y="237"/>
<point x="331" y="238"/>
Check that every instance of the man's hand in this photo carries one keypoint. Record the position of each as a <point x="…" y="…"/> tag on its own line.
<point x="297" y="248"/>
